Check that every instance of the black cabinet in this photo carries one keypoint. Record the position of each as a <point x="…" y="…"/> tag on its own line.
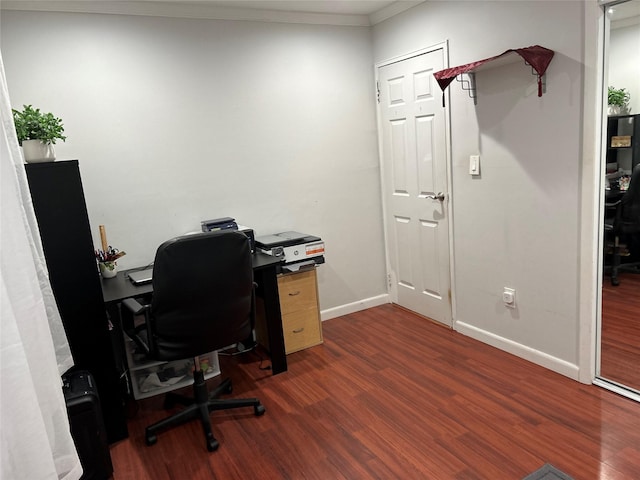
<point x="623" y="148"/>
<point x="59" y="204"/>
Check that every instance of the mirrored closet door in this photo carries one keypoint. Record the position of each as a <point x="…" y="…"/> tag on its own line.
<point x="619" y="359"/>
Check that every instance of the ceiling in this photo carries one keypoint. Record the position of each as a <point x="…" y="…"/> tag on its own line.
<point x="338" y="12"/>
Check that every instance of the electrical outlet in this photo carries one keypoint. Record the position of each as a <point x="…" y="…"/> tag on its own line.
<point x="509" y="297"/>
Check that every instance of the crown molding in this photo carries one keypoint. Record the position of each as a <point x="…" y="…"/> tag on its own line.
<point x="392" y="10"/>
<point x="203" y="10"/>
<point x="625" y="22"/>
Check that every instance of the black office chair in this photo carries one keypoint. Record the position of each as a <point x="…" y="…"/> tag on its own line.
<point x="203" y="300"/>
<point x="623" y="227"/>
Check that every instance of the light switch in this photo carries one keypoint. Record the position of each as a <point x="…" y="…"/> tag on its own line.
<point x="474" y="165"/>
<point x="509" y="297"/>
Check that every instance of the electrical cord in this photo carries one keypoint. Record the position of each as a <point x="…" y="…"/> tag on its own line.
<point x="252" y="348"/>
<point x="266" y="367"/>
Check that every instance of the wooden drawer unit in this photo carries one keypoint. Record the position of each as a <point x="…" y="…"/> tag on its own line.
<point x="298" y="291"/>
<point x="300" y="313"/>
<point x="301" y="325"/>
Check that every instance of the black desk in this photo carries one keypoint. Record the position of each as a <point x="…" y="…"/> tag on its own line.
<point x="265" y="270"/>
<point x="613" y="195"/>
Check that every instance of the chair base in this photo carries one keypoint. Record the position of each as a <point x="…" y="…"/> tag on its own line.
<point x="200" y="407"/>
<point x="617" y="267"/>
<point x="615" y="248"/>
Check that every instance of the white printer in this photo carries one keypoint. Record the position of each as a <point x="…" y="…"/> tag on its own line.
<point x="294" y="248"/>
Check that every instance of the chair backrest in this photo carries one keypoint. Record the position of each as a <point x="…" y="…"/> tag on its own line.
<point x="630" y="203"/>
<point x="202" y="295"/>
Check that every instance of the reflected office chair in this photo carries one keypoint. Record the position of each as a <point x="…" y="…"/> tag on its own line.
<point x="624" y="228"/>
<point x="203" y="300"/>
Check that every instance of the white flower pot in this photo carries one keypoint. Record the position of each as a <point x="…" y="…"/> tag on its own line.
<point x="37" y="151"/>
<point x="108" y="269"/>
<point x="617" y="110"/>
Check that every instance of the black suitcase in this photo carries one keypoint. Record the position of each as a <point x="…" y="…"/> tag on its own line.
<point x="87" y="425"/>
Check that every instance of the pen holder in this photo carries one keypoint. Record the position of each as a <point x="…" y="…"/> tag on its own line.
<point x="108" y="269"/>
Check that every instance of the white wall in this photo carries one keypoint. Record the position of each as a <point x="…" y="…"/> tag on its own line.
<point x="624" y="62"/>
<point x="518" y="224"/>
<point x="179" y="120"/>
<point x="275" y="124"/>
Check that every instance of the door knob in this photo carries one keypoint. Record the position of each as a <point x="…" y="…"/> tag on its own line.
<point x="439" y="196"/>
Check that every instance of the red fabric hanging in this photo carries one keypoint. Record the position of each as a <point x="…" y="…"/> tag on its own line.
<point x="536" y="56"/>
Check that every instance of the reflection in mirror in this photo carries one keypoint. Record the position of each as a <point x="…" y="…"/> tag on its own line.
<point x="620" y="320"/>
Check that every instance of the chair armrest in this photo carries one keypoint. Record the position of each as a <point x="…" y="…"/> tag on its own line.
<point x="136" y="333"/>
<point x="615" y="222"/>
<point x="134" y="306"/>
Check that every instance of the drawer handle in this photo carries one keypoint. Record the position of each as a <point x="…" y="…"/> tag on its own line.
<point x="298" y="330"/>
<point x="293" y="294"/>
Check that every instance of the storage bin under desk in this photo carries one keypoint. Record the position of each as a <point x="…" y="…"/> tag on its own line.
<point x="301" y="323"/>
<point x="149" y="378"/>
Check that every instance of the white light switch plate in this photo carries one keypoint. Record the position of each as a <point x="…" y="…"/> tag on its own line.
<point x="509" y="297"/>
<point x="474" y="165"/>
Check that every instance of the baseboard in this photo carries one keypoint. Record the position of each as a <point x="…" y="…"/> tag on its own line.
<point x="354" y="307"/>
<point x="535" y="356"/>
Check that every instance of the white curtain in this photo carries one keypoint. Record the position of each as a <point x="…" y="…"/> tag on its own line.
<point x="34" y="352"/>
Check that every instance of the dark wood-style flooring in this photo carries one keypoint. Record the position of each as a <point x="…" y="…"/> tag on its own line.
<point x="620" y="346"/>
<point x="390" y="395"/>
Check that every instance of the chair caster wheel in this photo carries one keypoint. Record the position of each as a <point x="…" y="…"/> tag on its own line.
<point x="259" y="410"/>
<point x="615" y="282"/>
<point x="212" y="444"/>
<point x="150" y="439"/>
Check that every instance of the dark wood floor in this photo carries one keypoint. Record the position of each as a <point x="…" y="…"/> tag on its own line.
<point x="620" y="346"/>
<point x="391" y="395"/>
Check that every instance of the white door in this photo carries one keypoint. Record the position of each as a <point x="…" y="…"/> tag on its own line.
<point x="415" y="193"/>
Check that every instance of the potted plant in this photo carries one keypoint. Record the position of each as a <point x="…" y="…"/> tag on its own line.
<point x="37" y="133"/>
<point x="618" y="100"/>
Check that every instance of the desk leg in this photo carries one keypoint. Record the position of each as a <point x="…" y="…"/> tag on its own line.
<point x="111" y="393"/>
<point x="269" y="283"/>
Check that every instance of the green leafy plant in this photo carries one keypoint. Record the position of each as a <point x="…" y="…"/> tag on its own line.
<point x="31" y="124"/>
<point x="618" y="96"/>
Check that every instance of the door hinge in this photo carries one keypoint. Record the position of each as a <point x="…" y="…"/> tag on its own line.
<point x="378" y="91"/>
<point x="389" y="279"/>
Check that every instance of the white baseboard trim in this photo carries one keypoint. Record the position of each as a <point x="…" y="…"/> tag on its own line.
<point x="334" y="312"/>
<point x="535" y="356"/>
